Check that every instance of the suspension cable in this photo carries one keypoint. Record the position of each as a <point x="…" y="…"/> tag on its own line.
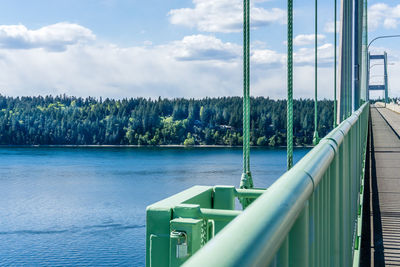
<point x="289" y="127"/>
<point x="246" y="180"/>
<point x="335" y="70"/>
<point x="316" y="137"/>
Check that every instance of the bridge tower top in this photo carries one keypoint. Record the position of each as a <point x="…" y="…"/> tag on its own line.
<point x="379" y="87"/>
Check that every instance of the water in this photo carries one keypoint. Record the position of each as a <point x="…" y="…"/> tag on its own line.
<point x="86" y="206"/>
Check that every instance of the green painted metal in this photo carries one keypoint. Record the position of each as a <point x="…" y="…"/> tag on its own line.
<point x="386" y="79"/>
<point x="316" y="137"/>
<point x="185" y="239"/>
<point x="180" y="225"/>
<point x="357" y="51"/>
<point x="349" y="59"/>
<point x="246" y="180"/>
<point x="158" y="217"/>
<point x="335" y="68"/>
<point x="364" y="62"/>
<point x="249" y="193"/>
<point x="346" y="65"/>
<point x="289" y="115"/>
<point x="308" y="217"/>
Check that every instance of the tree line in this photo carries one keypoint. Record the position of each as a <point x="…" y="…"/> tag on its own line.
<point x="66" y="120"/>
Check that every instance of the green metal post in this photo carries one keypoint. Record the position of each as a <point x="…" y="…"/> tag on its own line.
<point x="368" y="71"/>
<point x="282" y="259"/>
<point x="386" y="80"/>
<point x="334" y="200"/>
<point x="246" y="179"/>
<point x="299" y="240"/>
<point x="335" y="70"/>
<point x="316" y="137"/>
<point x="312" y="217"/>
<point x="289" y="127"/>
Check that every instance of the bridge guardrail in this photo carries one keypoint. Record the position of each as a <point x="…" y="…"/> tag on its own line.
<point x="311" y="216"/>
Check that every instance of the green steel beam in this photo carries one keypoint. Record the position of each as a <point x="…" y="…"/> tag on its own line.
<point x="249" y="193"/>
<point x="219" y="215"/>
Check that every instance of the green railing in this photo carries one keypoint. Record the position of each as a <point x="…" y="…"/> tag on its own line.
<point x="311" y="216"/>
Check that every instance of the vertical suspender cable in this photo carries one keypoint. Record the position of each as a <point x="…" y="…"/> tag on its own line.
<point x="335" y="70"/>
<point x="246" y="179"/>
<point x="350" y="61"/>
<point x="347" y="62"/>
<point x="245" y="86"/>
<point x="316" y="137"/>
<point x="366" y="50"/>
<point x="289" y="127"/>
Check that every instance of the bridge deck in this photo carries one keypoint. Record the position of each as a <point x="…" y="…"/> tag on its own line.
<point x="385" y="187"/>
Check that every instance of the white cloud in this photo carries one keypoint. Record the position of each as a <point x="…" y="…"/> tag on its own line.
<point x="54" y="37"/>
<point x="203" y="47"/>
<point x="381" y="14"/>
<point x="307" y="39"/>
<point x="224" y="15"/>
<point x="390" y="23"/>
<point x="303" y="77"/>
<point x="267" y="57"/>
<point x="330" y="26"/>
<point x="196" y="66"/>
<point x="306" y="56"/>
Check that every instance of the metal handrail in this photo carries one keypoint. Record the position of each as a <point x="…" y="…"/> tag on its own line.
<point x="309" y="216"/>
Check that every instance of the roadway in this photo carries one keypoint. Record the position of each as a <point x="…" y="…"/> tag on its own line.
<point x="384" y="187"/>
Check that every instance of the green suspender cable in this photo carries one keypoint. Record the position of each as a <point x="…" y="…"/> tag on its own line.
<point x="316" y="137"/>
<point x="246" y="180"/>
<point x="334" y="76"/>
<point x="289" y="127"/>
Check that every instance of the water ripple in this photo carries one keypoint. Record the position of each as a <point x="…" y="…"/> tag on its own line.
<point x="105" y="227"/>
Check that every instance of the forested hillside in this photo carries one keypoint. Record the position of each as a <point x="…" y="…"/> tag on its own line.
<point x="64" y="120"/>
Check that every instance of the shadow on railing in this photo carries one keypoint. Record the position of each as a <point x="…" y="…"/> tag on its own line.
<point x="311" y="216"/>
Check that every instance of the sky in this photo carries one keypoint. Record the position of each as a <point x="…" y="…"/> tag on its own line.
<point x="174" y="48"/>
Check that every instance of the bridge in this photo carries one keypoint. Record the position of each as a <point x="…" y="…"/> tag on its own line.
<point x="338" y="206"/>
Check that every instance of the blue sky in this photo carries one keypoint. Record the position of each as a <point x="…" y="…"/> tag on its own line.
<point x="169" y="48"/>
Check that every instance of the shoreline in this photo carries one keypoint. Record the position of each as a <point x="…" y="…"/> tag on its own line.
<point x="144" y="146"/>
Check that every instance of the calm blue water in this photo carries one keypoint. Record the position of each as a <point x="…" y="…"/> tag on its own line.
<point x="86" y="206"/>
